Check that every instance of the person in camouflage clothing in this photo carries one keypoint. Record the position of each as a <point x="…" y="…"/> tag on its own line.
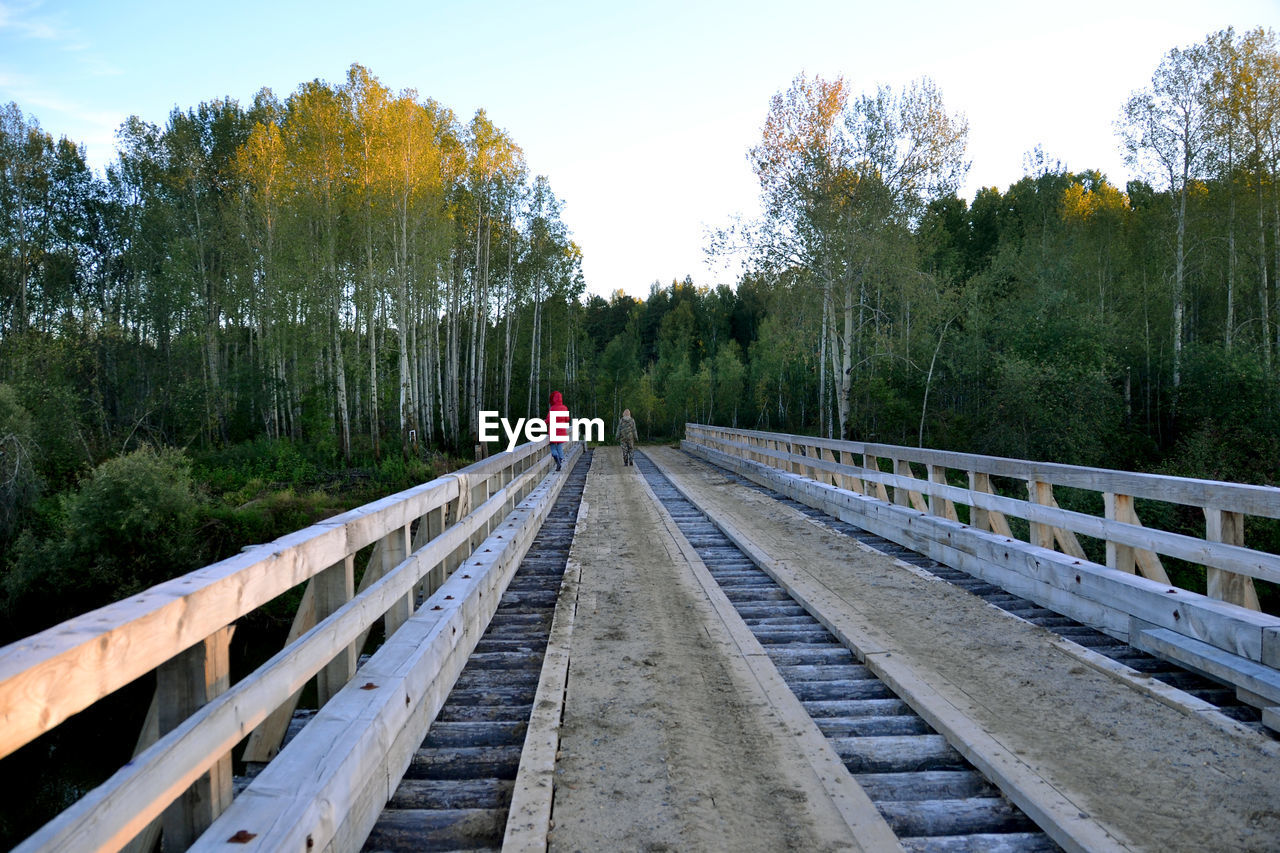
<point x="627" y="437"/>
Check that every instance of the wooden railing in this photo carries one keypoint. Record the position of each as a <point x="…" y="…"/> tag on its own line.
<point x="180" y="777"/>
<point x="912" y="495"/>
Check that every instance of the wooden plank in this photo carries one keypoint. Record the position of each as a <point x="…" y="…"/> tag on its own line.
<point x="1271" y="718"/>
<point x="395" y="550"/>
<point x="1044" y="536"/>
<point x="1253" y="677"/>
<point x="1226" y="526"/>
<point x="983" y="518"/>
<point x="145" y="841"/>
<point x="265" y="740"/>
<point x="1119" y="508"/>
<point x="1271" y="647"/>
<point x="871" y="464"/>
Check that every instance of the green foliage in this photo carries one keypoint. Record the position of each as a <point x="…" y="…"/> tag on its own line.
<point x="262" y="460"/>
<point x="128" y="526"/>
<point x="225" y="528"/>
<point x="20" y="482"/>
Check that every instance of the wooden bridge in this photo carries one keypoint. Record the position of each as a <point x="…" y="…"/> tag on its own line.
<point x="758" y="641"/>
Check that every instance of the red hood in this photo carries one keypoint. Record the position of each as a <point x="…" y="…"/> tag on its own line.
<point x="556" y="399"/>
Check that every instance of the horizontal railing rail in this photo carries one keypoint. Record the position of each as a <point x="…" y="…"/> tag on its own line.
<point x="1130" y="545"/>
<point x="919" y="508"/>
<point x="181" y="630"/>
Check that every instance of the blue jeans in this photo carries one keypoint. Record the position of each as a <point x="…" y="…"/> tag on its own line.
<point x="557" y="453"/>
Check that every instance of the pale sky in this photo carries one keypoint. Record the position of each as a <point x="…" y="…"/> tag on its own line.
<point x="640" y="114"/>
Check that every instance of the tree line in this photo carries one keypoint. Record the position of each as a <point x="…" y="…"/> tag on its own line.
<point x="356" y="272"/>
<point x="344" y="266"/>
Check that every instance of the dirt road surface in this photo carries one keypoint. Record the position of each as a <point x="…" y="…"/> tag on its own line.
<point x="667" y="744"/>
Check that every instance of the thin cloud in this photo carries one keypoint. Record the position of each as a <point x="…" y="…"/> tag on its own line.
<point x="27" y="22"/>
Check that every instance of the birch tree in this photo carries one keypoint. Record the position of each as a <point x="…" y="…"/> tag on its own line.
<point x="1165" y="132"/>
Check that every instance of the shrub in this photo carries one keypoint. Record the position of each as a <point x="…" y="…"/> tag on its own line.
<point x="127" y="527"/>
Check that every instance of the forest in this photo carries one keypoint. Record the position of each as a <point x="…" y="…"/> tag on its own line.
<point x="262" y="314"/>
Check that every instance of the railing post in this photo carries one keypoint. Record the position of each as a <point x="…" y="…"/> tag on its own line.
<point x="978" y="516"/>
<point x="1041" y="534"/>
<point x="334" y="587"/>
<point x="1044" y="534"/>
<point x="395" y="550"/>
<point x="1119" y="508"/>
<point x="871" y="462"/>
<point x="984" y="519"/>
<point x="265" y="740"/>
<point x="941" y="506"/>
<point x="433" y="526"/>
<point x="1228" y="527"/>
<point x="184" y="684"/>
<point x="831" y="477"/>
<point x="902" y="495"/>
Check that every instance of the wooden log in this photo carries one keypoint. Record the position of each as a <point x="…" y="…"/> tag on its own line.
<point x="904" y="754"/>
<point x="465" y="762"/>
<point x="931" y="818"/>
<point x="451" y="794"/>
<point x="429" y="829"/>
<point x="907" y="724"/>
<point x="927" y="785"/>
<point x="1228" y="527"/>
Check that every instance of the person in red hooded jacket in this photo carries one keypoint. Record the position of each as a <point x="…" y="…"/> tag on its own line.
<point x="558" y="427"/>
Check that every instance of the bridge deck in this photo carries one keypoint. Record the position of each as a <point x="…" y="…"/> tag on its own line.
<point x="668" y="737"/>
<point x="1154" y="776"/>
